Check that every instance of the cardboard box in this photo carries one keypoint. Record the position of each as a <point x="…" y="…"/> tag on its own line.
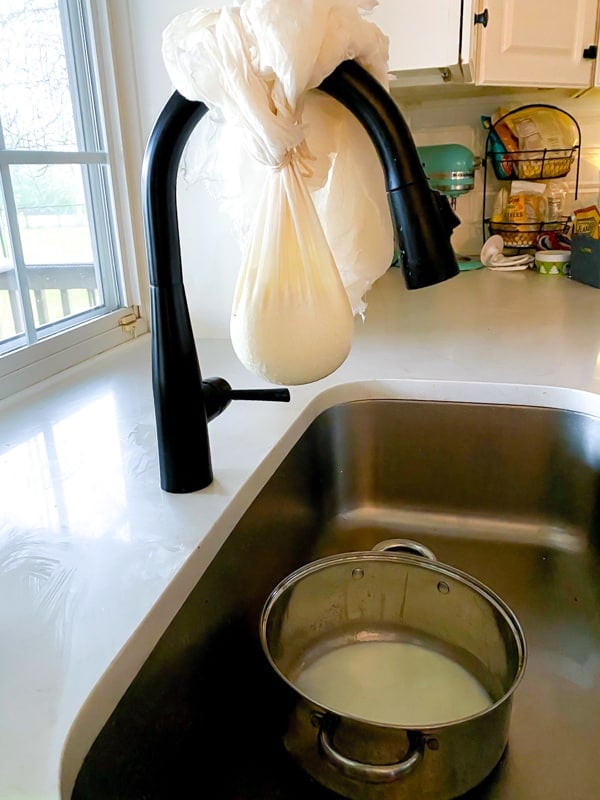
<point x="587" y="220"/>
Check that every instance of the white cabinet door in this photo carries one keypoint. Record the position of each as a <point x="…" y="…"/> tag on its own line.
<point x="424" y="34"/>
<point x="536" y="43"/>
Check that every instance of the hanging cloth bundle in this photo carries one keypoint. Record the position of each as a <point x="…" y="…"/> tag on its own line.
<point x="253" y="65"/>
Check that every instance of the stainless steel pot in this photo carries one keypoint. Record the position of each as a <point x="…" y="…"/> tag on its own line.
<point x="397" y="592"/>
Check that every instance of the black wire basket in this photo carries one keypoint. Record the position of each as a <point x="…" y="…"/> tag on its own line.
<point x="533" y="165"/>
<point x="523" y="235"/>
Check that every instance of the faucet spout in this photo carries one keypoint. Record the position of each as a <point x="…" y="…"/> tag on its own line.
<point x="423" y="220"/>
<point x="183" y="402"/>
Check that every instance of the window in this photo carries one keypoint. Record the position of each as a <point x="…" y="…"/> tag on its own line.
<point x="59" y="249"/>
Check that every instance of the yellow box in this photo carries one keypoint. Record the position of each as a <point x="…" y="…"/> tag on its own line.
<point x="587" y="221"/>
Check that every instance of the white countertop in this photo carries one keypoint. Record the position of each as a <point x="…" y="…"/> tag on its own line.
<point x="95" y="559"/>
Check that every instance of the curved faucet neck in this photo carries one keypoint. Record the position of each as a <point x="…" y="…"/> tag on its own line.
<point x="421" y="226"/>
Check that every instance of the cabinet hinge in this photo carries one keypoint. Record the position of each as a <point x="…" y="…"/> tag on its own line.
<point x="591" y="51"/>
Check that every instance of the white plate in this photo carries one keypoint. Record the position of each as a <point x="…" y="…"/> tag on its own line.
<point x="493" y="257"/>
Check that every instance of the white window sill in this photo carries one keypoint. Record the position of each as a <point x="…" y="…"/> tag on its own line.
<point x="32" y="364"/>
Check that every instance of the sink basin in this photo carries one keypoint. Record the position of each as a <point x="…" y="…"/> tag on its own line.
<point x="509" y="494"/>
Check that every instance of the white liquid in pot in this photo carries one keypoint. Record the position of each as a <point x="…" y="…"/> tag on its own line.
<point x="395" y="683"/>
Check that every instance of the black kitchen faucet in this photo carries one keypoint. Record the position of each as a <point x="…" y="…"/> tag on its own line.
<point x="183" y="402"/>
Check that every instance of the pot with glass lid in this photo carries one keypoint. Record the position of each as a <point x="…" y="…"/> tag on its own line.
<point x="402" y="671"/>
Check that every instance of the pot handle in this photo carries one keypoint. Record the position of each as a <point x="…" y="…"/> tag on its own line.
<point x="369" y="773"/>
<point x="406" y="546"/>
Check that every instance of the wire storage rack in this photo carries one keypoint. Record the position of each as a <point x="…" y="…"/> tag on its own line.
<point x="521" y="235"/>
<point x="535" y="164"/>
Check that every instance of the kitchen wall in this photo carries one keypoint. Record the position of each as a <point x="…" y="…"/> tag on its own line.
<point x="436" y="116"/>
<point x="210" y="255"/>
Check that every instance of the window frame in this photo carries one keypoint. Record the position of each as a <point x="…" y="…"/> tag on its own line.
<point x="34" y="362"/>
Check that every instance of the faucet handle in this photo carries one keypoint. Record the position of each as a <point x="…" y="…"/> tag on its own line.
<point x="218" y="394"/>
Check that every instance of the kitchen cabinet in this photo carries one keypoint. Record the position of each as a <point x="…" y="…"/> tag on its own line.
<point x="428" y="41"/>
<point x="493" y="42"/>
<point x="534" y="43"/>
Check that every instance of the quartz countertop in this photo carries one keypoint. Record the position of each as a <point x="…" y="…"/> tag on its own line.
<point x="95" y="559"/>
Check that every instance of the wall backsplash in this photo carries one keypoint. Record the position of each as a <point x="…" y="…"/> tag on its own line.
<point x="438" y="120"/>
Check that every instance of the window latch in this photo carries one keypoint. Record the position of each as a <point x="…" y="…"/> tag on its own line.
<point x="128" y="321"/>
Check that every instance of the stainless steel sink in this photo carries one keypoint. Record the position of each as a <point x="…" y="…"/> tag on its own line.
<point x="509" y="494"/>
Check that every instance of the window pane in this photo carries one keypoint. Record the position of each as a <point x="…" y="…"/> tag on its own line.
<point x="57" y="240"/>
<point x="36" y="107"/>
<point x="11" y="316"/>
<point x="59" y="264"/>
<point x="53" y="220"/>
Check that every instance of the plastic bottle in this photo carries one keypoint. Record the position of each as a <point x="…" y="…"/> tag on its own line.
<point x="556" y="195"/>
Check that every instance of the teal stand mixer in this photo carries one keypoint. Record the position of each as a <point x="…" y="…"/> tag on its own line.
<point x="450" y="170"/>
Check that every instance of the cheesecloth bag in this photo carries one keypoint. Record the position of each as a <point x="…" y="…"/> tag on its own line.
<point x="253" y="64"/>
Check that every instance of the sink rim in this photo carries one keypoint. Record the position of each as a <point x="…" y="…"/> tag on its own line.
<point x="303" y="410"/>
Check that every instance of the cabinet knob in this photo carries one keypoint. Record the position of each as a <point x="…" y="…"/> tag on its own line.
<point x="482" y="19"/>
<point x="591" y="51"/>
